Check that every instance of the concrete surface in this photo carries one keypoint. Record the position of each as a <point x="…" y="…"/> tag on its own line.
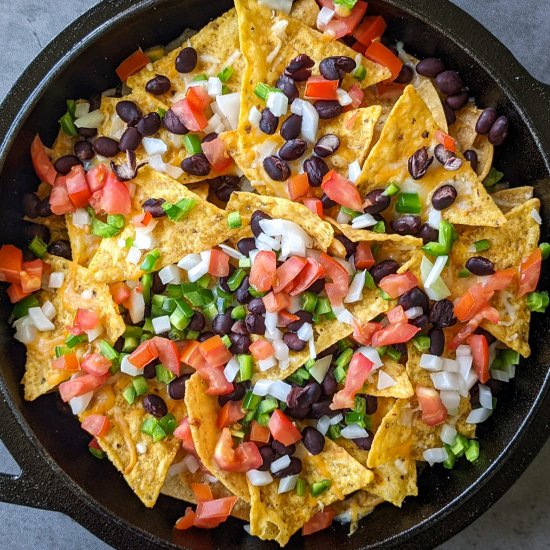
<point x="519" y="519"/>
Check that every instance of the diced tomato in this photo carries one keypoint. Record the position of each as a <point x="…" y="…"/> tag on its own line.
<point x="97" y="425"/>
<point x="343" y="26"/>
<point x="142" y="220"/>
<point x="500" y="279"/>
<point x="480" y="353"/>
<point x="262" y="274"/>
<point x="529" y="274"/>
<point x="115" y="198"/>
<point x="191" y="355"/>
<point x="298" y="186"/>
<point x="282" y="429"/>
<point x="15" y="293"/>
<point x="318" y="87"/>
<point x="394" y="334"/>
<point x="132" y="64"/>
<point x="276" y="302"/>
<point x="11" y="263"/>
<point x="262" y="349"/>
<point x="169" y="354"/>
<point x="358" y="47"/>
<point x="187" y="520"/>
<point x="398" y="283"/>
<point x="311" y="273"/>
<point x="342" y="191"/>
<point x="68" y="362"/>
<point x="35" y="268"/>
<point x="81" y="385"/>
<point x="371" y="29"/>
<point x="258" y="433"/>
<point x="285" y="318"/>
<point x="217" y="155"/>
<point x="488" y="313"/>
<point x="242" y="459"/>
<point x="42" y="164"/>
<point x="120" y="292"/>
<point x="216" y="380"/>
<point x="60" y="202"/>
<point x="378" y="53"/>
<point x="96" y="364"/>
<point x="433" y="410"/>
<point x="474" y="300"/>
<point x="214" y="351"/>
<point x="229" y="414"/>
<point x="97" y="177"/>
<point x="358" y="371"/>
<point x="183" y="432"/>
<point x="397" y="315"/>
<point x="357" y="95"/>
<point x="30" y="283"/>
<point x="338" y="288"/>
<point x="315" y="205"/>
<point x="198" y="97"/>
<point x="191" y="117"/>
<point x="446" y="140"/>
<point x="321" y="520"/>
<point x="363" y="256"/>
<point x="144" y="354"/>
<point x="94" y="444"/>
<point x="211" y="513"/>
<point x="202" y="491"/>
<point x="85" y="319"/>
<point x="219" y="263"/>
<point x="363" y="333"/>
<point x="77" y="186"/>
<point x="287" y="272"/>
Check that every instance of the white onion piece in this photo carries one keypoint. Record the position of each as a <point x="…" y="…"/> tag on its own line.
<point x="195" y="273"/>
<point x="266" y="364"/>
<point x="271" y="320"/>
<point x="258" y="478"/>
<point x="189" y="261"/>
<point x="470" y="381"/>
<point x="414" y="312"/>
<point x="56" y="279"/>
<point x="192" y="463"/>
<point x="144" y="241"/>
<point x="161" y="324"/>
<point x="342" y="217"/>
<point x="464" y="365"/>
<point x="40" y="321"/>
<point x="79" y="404"/>
<point x="231" y="252"/>
<point x="536" y="216"/>
<point x="445" y="381"/>
<point x="434" y="456"/>
<point x="261" y="387"/>
<point x="173" y="171"/>
<point x="371" y="354"/>
<point x="485" y="397"/>
<point x="336" y="419"/>
<point x="355" y="291"/>
<point x="156" y="163"/>
<point x="280" y="464"/>
<point x="305" y="332"/>
<point x="463" y="350"/>
<point x="450" y="365"/>
<point x="177" y="468"/>
<point x="136" y="307"/>
<point x="311" y="346"/>
<point x="354" y="431"/>
<point x="324" y="18"/>
<point x="320" y="368"/>
<point x="81" y="217"/>
<point x="500" y="375"/>
<point x="385" y="380"/>
<point x="295" y="304"/>
<point x="477" y="416"/>
<point x="448" y="434"/>
<point x="431" y="362"/>
<point x="434" y="218"/>
<point x="297" y="106"/>
<point x="451" y="400"/>
<point x="281" y="351"/>
<point x="215" y="124"/>
<point x="281" y="5"/>
<point x="354" y="171"/>
<point x="170" y="274"/>
<point x="94" y="333"/>
<point x="134" y="255"/>
<point x="435" y="273"/>
<point x="141" y="448"/>
<point x="26" y="333"/>
<point x="81" y="109"/>
<point x="277" y="103"/>
<point x="343" y="97"/>
<point x="154" y="146"/>
<point x="48" y="309"/>
<point x="264" y="242"/>
<point x="343" y="315"/>
<point x="310" y="121"/>
<point x="215" y="86"/>
<point x="323" y="424"/>
<point x="93" y="119"/>
<point x="362" y="221"/>
<point x="438" y="289"/>
<point x="230" y="105"/>
<point x="254" y="116"/>
<point x="127" y="368"/>
<point x="231" y="369"/>
<point x="280" y="390"/>
<point x="288" y="483"/>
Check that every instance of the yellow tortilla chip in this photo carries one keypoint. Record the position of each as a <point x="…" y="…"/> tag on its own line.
<point x="410" y="127"/>
<point x="402" y="387"/>
<point x="204" y="227"/>
<point x="355" y="507"/>
<point x="84" y="245"/>
<point x="78" y="291"/>
<point x="508" y="199"/>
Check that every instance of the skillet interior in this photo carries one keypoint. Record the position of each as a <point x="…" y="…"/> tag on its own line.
<point x="52" y="452"/>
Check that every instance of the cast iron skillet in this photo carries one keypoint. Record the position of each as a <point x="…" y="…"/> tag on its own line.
<point x="57" y="471"/>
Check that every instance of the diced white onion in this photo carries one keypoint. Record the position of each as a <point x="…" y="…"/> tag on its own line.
<point x="342" y="217"/>
<point x="264" y="242"/>
<point x="266" y="364"/>
<point x="81" y="109"/>
<point x="192" y="463"/>
<point x="477" y="416"/>
<point x="485" y="397"/>
<point x="161" y="324"/>
<point x="451" y="400"/>
<point x="215" y="86"/>
<point x="259" y="478"/>
<point x="463" y="350"/>
<point x="355" y="291"/>
<point x="362" y="221"/>
<point x="354" y="431"/>
<point x="189" y="261"/>
<point x="305" y="332"/>
<point x="354" y="171"/>
<point x="320" y="368"/>
<point x="173" y="171"/>
<point x="435" y="273"/>
<point x="40" y="321"/>
<point x="136" y="306"/>
<point x="254" y="116"/>
<point x="371" y="354"/>
<point x="26" y="333"/>
<point x="324" y="18"/>
<point x="177" y="468"/>
<point x="170" y="274"/>
<point x="281" y="351"/>
<point x="448" y="434"/>
<point x="92" y="119"/>
<point x="156" y="163"/>
<point x="311" y="346"/>
<point x="230" y="105"/>
<point x="56" y="279"/>
<point x="231" y="252"/>
<point x="81" y="217"/>
<point x="261" y="387"/>
<point x="310" y="121"/>
<point x="195" y="273"/>
<point x="430" y="362"/>
<point x="323" y="424"/>
<point x="288" y="483"/>
<point x="471" y="380"/>
<point x="500" y="375"/>
<point x="134" y="255"/>
<point x="231" y="369"/>
<point x="271" y="320"/>
<point x="343" y="97"/>
<point x="48" y="309"/>
<point x="434" y="456"/>
<point x="277" y="103"/>
<point x="127" y="367"/>
<point x="536" y="216"/>
<point x="414" y="312"/>
<point x="79" y="404"/>
<point x="280" y="464"/>
<point x="154" y="146"/>
<point x="385" y="380"/>
<point x="439" y="289"/>
<point x="280" y="390"/>
<point x="434" y="218"/>
<point x="450" y="365"/>
<point x="336" y="419"/>
<point x="464" y="365"/>
<point x="281" y="5"/>
<point x="273" y="53"/>
<point x="445" y="381"/>
<point x="94" y="333"/>
<point x="144" y="241"/>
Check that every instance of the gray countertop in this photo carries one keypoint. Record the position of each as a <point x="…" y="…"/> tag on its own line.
<point x="519" y="519"/>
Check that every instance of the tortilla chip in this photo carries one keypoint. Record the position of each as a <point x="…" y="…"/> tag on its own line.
<point x="247" y="203"/>
<point x="84" y="245"/>
<point x="508" y="199"/>
<point x="401" y="137"/>
<point x="204" y="227"/>
<point x="402" y="387"/>
<point x="278" y="516"/>
<point x="40" y="377"/>
<point x="355" y="507"/>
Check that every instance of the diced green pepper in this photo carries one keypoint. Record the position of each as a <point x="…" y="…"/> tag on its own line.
<point x="245" y="367"/>
<point x="359" y="73"/>
<point x="309" y="301"/>
<point x="391" y="189"/>
<point x="140" y="385"/>
<point x="482" y="245"/>
<point x="164" y="376"/>
<point x="538" y="301"/>
<point x="38" y="247"/>
<point x="234" y="220"/>
<point x="408" y="203"/>
<point x="301" y="487"/>
<point x="449" y="462"/>
<point x="129" y="394"/>
<point x="472" y="452"/>
<point x="545" y="250"/>
<point x="251" y="401"/>
<point x="168" y="423"/>
<point x="226" y="74"/>
<point x="319" y="487"/>
<point x="192" y="144"/>
<point x="236" y="279"/>
<point x="422" y="342"/>
<point x="493" y="177"/>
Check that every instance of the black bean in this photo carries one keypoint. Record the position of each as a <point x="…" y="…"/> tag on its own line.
<point x="421" y="322"/>
<point x="316" y="169"/>
<point x="313" y="440"/>
<point x="64" y="164"/>
<point x="236" y="395"/>
<point x="240" y="343"/>
<point x="415" y="297"/>
<point x="173" y="124"/>
<point x="288" y="87"/>
<point x="291" y="127"/>
<point x="149" y="125"/>
<point x="44" y="209"/>
<point x="268" y="457"/>
<point x="450" y="115"/>
<point x="268" y="122"/>
<point x="255" y="323"/>
<point x="242" y="294"/>
<point x="449" y="82"/>
<point x="159" y="85"/>
<point x="106" y="146"/>
<point x="150" y="370"/>
<point x="488" y="335"/>
<point x="293" y="342"/>
<point x="232" y="181"/>
<point x="443" y="197"/>
<point x="372" y="402"/>
<point x="428" y="234"/>
<point x="155" y="405"/>
<point x="322" y="408"/>
<point x="471" y="156"/>
<point x="305" y="317"/>
<point x="406" y="225"/>
<point x="457" y="101"/>
<point x="486" y="120"/>
<point x="257" y="217"/>
<point x="130" y="139"/>
<point x="376" y="202"/>
<point x="176" y="388"/>
<point x="281" y="449"/>
<point x="442" y="314"/>
<point x="61" y="248"/>
<point x="186" y="61"/>
<point x="84" y="150"/>
<point x="437" y="341"/>
<point x="327" y="145"/>
<point x="443" y="155"/>
<point x="295" y="467"/>
<point x="30" y="205"/>
<point x="365" y="443"/>
<point x="382" y="269"/>
<point x="328" y="109"/>
<point x="154" y="207"/>
<point x="297" y="412"/>
<point x="299" y="68"/>
<point x="245" y="246"/>
<point x="293" y="149"/>
<point x="196" y="165"/>
<point x="256" y="306"/>
<point x="197" y="322"/>
<point x="478" y="265"/>
<point x="349" y="245"/>
<point x="210" y="137"/>
<point x="329" y="385"/>
<point x="87" y="132"/>
<point x="128" y="111"/>
<point x="222" y="323"/>
<point x="499" y="130"/>
<point x="419" y="163"/>
<point x="405" y="75"/>
<point x="318" y="286"/>
<point x="430" y="67"/>
<point x="222" y="281"/>
<point x="239" y="327"/>
<point x="224" y="193"/>
<point x="276" y="168"/>
<point x="205" y="336"/>
<point x="334" y="68"/>
<point x="158" y="286"/>
<point x="32" y="230"/>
